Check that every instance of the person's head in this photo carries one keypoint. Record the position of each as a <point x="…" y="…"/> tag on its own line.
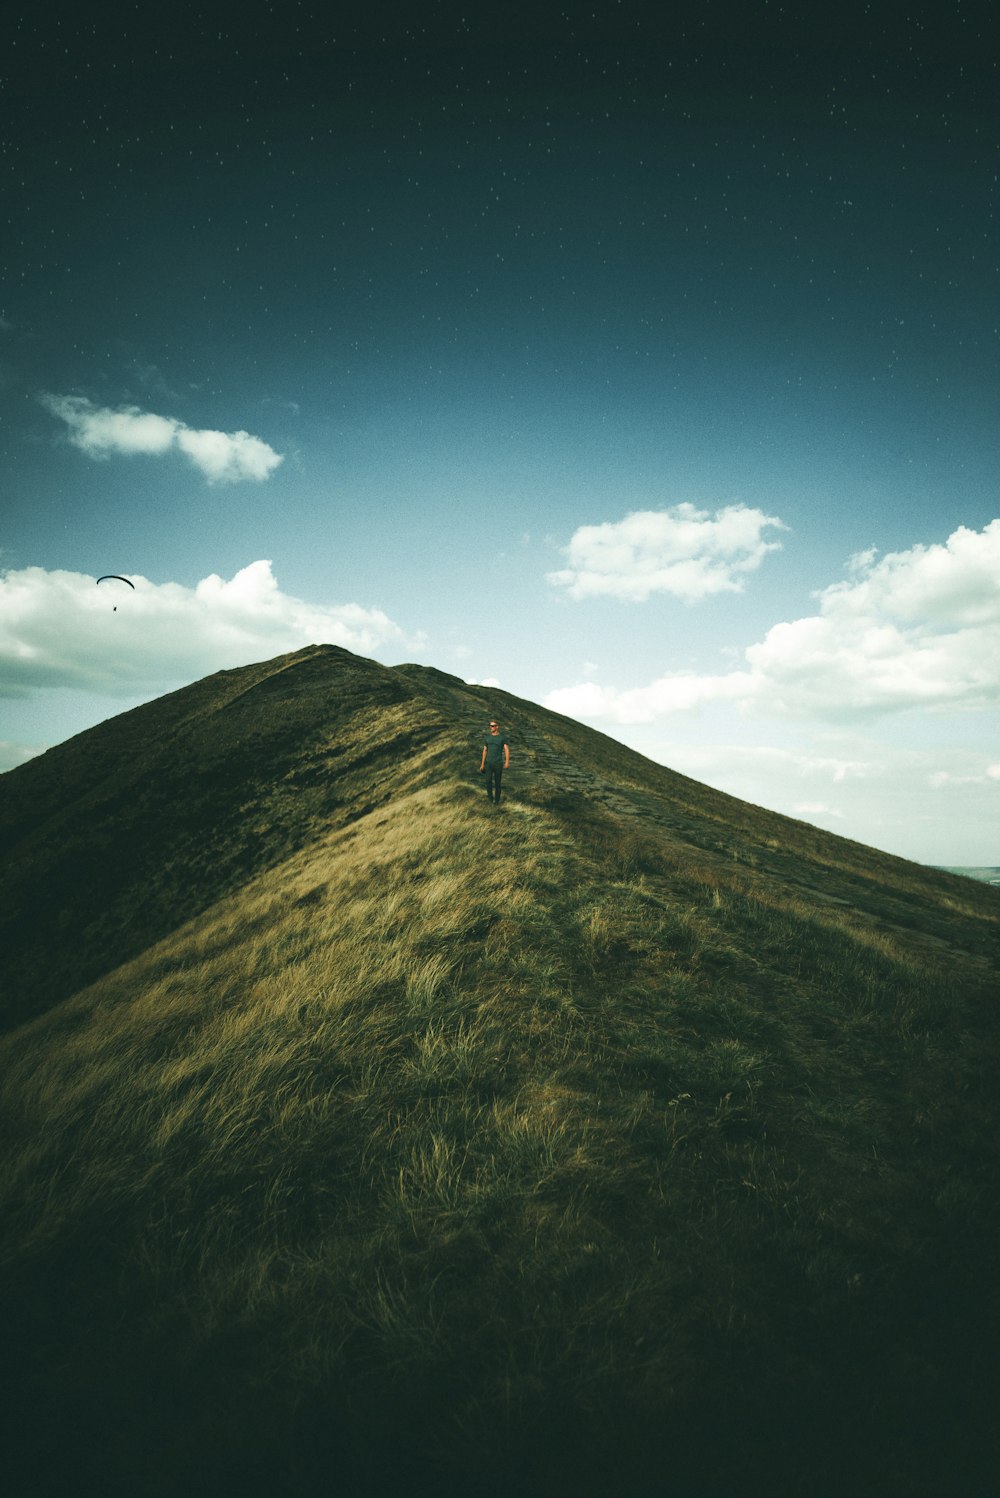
<point x="494" y="726"/>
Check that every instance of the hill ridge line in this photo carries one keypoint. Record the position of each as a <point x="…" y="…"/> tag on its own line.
<point x="208" y="785"/>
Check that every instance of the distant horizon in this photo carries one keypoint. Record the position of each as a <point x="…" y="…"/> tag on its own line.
<point x="640" y="362"/>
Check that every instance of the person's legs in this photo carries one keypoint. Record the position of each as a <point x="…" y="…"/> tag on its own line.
<point x="496" y="776"/>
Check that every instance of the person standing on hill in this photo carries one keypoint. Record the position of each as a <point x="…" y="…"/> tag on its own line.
<point x="496" y="758"/>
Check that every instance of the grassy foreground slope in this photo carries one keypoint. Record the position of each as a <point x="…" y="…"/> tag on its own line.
<point x="629" y="1140"/>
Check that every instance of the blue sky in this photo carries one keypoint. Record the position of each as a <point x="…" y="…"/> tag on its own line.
<point x="643" y="362"/>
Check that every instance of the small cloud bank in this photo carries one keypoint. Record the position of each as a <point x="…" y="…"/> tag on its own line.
<point x="810" y="811"/>
<point x="678" y="692"/>
<point x="223" y="457"/>
<point x="59" y="629"/>
<point x="682" y="551"/>
<point x="933" y="804"/>
<point x="13" y="754"/>
<point x="941" y="778"/>
<point x="918" y="629"/>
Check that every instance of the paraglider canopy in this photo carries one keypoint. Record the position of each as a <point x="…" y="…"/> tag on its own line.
<point x="115" y="577"/>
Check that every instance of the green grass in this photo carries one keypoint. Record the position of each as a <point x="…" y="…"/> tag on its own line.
<point x="542" y="1151"/>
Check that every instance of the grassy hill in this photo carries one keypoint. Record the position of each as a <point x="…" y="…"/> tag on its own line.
<point x="365" y="1139"/>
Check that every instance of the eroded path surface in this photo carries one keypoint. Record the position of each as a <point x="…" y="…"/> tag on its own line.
<point x="675" y="822"/>
<point x="865" y="901"/>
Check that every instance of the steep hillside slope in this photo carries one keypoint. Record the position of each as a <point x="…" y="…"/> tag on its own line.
<point x="628" y="1139"/>
<point x="109" y="840"/>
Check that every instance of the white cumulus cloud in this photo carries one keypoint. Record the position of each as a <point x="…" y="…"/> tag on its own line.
<point x="679" y="692"/>
<point x="58" y="629"/>
<point x="223" y="457"/>
<point x="682" y="551"/>
<point x="954" y="583"/>
<point x="916" y="629"/>
<point x="920" y="628"/>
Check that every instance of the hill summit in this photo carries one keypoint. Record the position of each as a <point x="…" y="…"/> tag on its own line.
<point x="622" y="1138"/>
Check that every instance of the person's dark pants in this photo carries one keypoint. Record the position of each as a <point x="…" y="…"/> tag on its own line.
<point x="493" y="781"/>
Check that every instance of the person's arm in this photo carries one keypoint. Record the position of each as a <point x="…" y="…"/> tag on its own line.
<point x="482" y="763"/>
<point x="506" y="757"/>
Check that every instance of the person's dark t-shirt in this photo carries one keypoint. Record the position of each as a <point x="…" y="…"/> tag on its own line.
<point x="494" y="751"/>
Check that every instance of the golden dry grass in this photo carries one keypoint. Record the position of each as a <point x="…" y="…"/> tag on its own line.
<point x="461" y="1152"/>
